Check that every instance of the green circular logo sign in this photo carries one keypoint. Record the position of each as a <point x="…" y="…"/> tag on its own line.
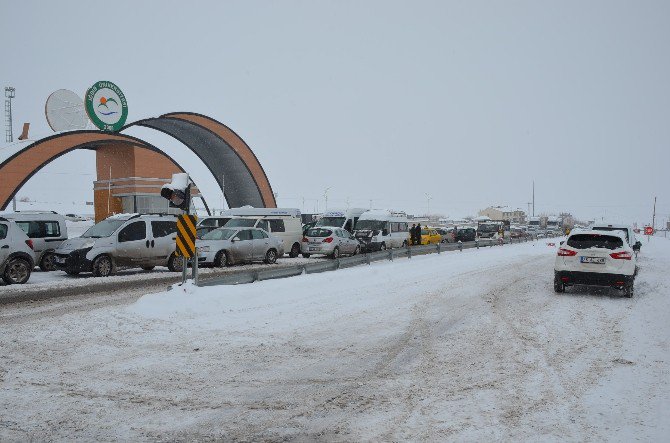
<point x="106" y="106"/>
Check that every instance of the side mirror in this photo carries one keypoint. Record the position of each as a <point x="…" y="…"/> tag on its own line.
<point x="235" y="239"/>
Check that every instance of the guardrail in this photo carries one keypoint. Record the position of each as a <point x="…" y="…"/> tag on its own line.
<point x="349" y="262"/>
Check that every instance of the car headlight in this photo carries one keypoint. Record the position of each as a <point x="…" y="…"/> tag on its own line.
<point x="204" y="248"/>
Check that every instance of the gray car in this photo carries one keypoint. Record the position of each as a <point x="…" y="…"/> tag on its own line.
<point x="330" y="241"/>
<point x="226" y="246"/>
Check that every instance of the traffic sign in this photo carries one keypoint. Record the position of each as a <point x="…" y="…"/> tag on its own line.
<point x="648" y="230"/>
<point x="186" y="235"/>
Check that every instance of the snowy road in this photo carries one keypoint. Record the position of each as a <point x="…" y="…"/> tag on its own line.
<point x="460" y="346"/>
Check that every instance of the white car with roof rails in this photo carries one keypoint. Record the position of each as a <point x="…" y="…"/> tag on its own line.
<point x="380" y="229"/>
<point x="122" y="241"/>
<point x="595" y="258"/>
<point x="626" y="229"/>
<point x="17" y="257"/>
<point x="341" y="218"/>
<point x="47" y="230"/>
<point x="283" y="223"/>
<point x="226" y="246"/>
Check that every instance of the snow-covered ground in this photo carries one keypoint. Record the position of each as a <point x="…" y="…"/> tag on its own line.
<point x="459" y="346"/>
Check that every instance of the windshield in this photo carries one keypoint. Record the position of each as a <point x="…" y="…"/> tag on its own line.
<point x="219" y="234"/>
<point x="241" y="223"/>
<point x="534" y="223"/>
<point x="319" y="232"/>
<point x="488" y="228"/>
<point x="331" y="221"/>
<point x="374" y="225"/>
<point x="607" y="228"/>
<point x="586" y="241"/>
<point x="103" y="229"/>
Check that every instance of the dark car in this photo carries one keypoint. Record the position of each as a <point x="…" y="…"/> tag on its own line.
<point x="466" y="234"/>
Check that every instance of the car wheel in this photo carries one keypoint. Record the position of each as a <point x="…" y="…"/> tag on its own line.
<point x="148" y="268"/>
<point x="271" y="257"/>
<point x="102" y="266"/>
<point x="17" y="272"/>
<point x="306" y="255"/>
<point x="295" y="250"/>
<point x="48" y="262"/>
<point x="357" y="250"/>
<point x="336" y="253"/>
<point x="628" y="290"/>
<point x="221" y="259"/>
<point x="175" y="263"/>
<point x="559" y="286"/>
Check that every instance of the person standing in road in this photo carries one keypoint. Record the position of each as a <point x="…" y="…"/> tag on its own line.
<point x="412" y="234"/>
<point x="418" y="233"/>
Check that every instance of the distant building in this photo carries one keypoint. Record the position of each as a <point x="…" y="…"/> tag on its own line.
<point x="504" y="213"/>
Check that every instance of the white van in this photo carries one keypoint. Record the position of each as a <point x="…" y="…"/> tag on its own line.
<point x="283" y="223"/>
<point x="379" y="229"/>
<point x="341" y="218"/>
<point x="47" y="230"/>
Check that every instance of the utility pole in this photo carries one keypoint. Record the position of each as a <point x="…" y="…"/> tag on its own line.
<point x="653" y="217"/>
<point x="428" y="198"/>
<point x="533" y="198"/>
<point x="325" y="196"/>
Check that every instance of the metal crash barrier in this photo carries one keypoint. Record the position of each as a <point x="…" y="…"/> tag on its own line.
<point x="349" y="262"/>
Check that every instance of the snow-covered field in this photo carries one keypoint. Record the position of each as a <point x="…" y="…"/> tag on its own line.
<point x="459" y="346"/>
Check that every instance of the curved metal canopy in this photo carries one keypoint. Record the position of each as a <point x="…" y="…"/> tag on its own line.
<point x="224" y="153"/>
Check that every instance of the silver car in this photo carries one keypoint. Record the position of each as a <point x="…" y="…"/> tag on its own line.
<point x="226" y="246"/>
<point x="331" y="241"/>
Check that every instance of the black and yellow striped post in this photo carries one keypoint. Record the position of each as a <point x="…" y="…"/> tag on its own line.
<point x="186" y="243"/>
<point x="186" y="235"/>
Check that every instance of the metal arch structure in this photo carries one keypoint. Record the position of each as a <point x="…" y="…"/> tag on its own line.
<point x="224" y="153"/>
<point x="16" y="170"/>
<point x="218" y="147"/>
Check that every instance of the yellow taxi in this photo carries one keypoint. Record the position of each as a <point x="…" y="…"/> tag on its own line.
<point x="430" y="236"/>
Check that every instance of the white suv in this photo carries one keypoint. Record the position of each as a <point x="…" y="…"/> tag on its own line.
<point x="595" y="258"/>
<point x="47" y="230"/>
<point x="122" y="241"/>
<point x="16" y="253"/>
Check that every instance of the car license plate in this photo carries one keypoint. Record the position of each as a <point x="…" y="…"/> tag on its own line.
<point x="595" y="260"/>
<point x="314" y="248"/>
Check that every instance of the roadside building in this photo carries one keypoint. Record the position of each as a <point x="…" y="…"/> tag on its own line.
<point x="507" y="213"/>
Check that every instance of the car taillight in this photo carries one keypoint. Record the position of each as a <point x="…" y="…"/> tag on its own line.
<point x="566" y="252"/>
<point x="30" y="243"/>
<point x="623" y="255"/>
<point x="328" y="240"/>
<point x="305" y="240"/>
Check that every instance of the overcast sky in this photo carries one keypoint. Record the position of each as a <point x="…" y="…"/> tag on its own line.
<point x="468" y="101"/>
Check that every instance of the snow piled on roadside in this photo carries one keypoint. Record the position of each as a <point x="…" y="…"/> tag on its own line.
<point x="225" y="307"/>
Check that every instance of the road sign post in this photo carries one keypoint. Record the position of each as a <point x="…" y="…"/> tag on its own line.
<point x="186" y="227"/>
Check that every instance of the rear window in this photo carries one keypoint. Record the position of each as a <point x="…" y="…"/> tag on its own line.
<point x="607" y="228"/>
<point x="3" y="231"/>
<point x="163" y="228"/>
<point x="586" y="241"/>
<point x="319" y="232"/>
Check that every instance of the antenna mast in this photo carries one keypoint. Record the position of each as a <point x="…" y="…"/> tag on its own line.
<point x="9" y="95"/>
